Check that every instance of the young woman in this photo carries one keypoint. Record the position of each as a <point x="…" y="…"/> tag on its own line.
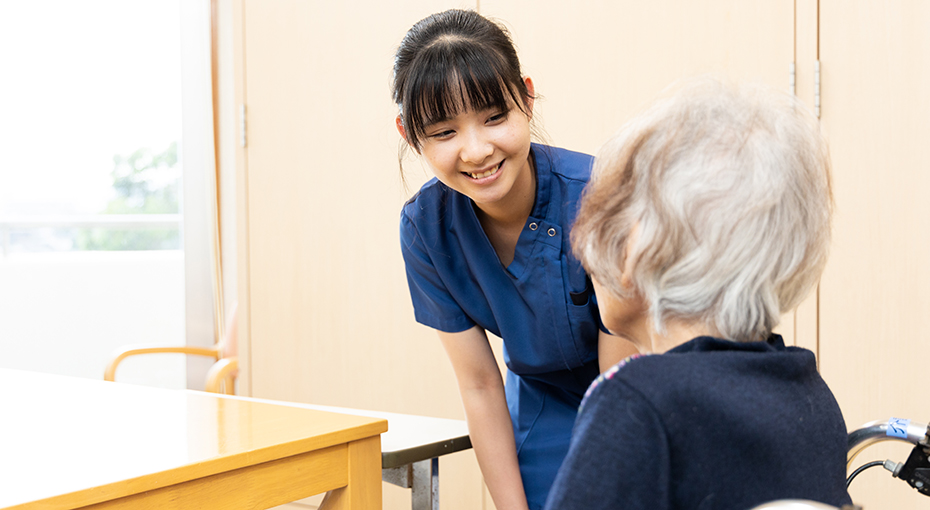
<point x="486" y="247"/>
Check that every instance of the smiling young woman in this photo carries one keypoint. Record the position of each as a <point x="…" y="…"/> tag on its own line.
<point x="486" y="247"/>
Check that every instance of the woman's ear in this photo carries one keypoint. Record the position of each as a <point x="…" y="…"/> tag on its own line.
<point x="400" y="127"/>
<point x="399" y="122"/>
<point x="626" y="278"/>
<point x="531" y="96"/>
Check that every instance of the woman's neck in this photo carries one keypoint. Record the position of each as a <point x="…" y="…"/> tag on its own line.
<point x="504" y="221"/>
<point x="519" y="203"/>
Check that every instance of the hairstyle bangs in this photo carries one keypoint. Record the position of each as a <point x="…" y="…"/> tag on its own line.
<point x="451" y="78"/>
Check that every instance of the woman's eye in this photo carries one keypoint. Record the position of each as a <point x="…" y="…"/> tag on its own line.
<point x="442" y="134"/>
<point x="497" y="117"/>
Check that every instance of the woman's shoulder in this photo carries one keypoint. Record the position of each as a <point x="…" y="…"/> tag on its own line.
<point x="565" y="163"/>
<point x="428" y="200"/>
<point x="429" y="213"/>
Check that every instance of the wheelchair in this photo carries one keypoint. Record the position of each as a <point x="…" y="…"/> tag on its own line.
<point x="915" y="470"/>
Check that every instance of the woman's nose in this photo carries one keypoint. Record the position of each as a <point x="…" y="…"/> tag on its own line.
<point x="476" y="148"/>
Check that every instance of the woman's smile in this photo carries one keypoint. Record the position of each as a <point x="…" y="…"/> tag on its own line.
<point x="481" y="177"/>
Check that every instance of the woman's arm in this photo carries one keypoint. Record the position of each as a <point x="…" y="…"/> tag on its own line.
<point x="612" y="350"/>
<point x="489" y="425"/>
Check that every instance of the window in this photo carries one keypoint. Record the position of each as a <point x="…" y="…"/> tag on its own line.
<point x="90" y="186"/>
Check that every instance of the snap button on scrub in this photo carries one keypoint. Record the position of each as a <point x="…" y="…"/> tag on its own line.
<point x="533" y="226"/>
<point x="551" y="232"/>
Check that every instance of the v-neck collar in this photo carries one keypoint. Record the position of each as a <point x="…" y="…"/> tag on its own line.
<point x="526" y="243"/>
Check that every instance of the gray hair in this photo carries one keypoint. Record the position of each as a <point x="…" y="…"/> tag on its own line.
<point x="728" y="191"/>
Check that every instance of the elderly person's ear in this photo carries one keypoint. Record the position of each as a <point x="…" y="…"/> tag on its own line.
<point x="624" y="315"/>
<point x="626" y="277"/>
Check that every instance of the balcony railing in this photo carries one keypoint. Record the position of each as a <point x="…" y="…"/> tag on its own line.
<point x="9" y="224"/>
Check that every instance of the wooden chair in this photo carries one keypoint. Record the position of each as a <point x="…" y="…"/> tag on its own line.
<point x="220" y="377"/>
<point x="222" y="374"/>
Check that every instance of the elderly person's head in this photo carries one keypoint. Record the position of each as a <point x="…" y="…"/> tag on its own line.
<point x="711" y="210"/>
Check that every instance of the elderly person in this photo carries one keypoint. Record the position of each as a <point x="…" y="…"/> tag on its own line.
<point x="706" y="218"/>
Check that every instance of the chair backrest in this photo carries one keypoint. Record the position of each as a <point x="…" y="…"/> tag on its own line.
<point x="221" y="378"/>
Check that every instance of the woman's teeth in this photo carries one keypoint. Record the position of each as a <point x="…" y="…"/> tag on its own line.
<point x="485" y="174"/>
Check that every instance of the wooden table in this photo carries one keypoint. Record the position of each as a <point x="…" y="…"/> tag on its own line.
<point x="73" y="443"/>
<point x="410" y="449"/>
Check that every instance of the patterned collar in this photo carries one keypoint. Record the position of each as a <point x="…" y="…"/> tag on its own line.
<point x="608" y="374"/>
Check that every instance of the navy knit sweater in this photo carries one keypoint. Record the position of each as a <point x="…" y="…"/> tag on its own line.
<point x="711" y="424"/>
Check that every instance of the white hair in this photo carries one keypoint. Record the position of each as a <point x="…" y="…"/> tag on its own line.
<point x="728" y="191"/>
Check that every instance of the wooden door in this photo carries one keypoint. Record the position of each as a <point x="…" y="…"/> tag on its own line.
<point x="326" y="311"/>
<point x="875" y="293"/>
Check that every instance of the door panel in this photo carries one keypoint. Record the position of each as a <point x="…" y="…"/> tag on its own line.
<point x="597" y="63"/>
<point x="329" y="315"/>
<point x="875" y="59"/>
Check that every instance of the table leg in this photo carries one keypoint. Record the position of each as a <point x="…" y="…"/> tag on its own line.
<point x="422" y="478"/>
<point x="364" y="489"/>
<point x="425" y="490"/>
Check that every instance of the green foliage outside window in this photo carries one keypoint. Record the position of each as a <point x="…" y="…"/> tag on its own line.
<point x="144" y="183"/>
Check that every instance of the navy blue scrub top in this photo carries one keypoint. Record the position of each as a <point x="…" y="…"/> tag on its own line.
<point x="541" y="305"/>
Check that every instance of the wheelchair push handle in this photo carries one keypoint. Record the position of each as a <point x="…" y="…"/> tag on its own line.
<point x="892" y="429"/>
<point x="915" y="470"/>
